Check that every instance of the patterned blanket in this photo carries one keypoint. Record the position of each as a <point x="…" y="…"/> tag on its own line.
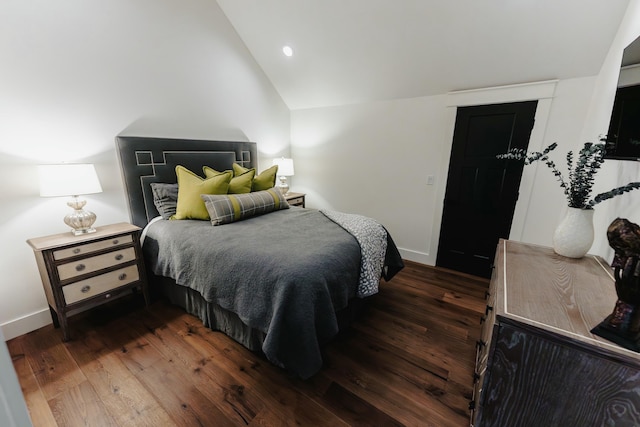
<point x="372" y="238"/>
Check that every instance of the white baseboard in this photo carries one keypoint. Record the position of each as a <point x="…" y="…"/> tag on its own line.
<point x="415" y="256"/>
<point x="26" y="324"/>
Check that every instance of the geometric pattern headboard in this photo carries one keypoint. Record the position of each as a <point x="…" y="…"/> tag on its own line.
<point x="145" y="160"/>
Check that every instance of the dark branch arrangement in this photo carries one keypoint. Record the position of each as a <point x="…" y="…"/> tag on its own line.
<point x="579" y="185"/>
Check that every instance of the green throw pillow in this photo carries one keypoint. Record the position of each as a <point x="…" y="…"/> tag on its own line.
<point x="239" y="184"/>
<point x="265" y="180"/>
<point x="191" y="186"/>
<point x="224" y="209"/>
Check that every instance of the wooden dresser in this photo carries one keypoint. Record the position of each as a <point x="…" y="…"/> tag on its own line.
<point x="537" y="362"/>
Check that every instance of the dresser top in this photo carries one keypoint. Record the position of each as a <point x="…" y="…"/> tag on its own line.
<point x="560" y="295"/>
<point x="64" y="239"/>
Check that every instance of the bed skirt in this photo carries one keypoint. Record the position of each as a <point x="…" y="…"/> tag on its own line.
<point x="217" y="318"/>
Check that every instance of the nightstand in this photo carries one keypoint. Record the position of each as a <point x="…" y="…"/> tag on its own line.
<point x="295" y="199"/>
<point x="80" y="272"/>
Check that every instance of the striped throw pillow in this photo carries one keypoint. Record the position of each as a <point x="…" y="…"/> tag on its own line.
<point x="224" y="209"/>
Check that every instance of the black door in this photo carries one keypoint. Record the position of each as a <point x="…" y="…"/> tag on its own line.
<point x="482" y="190"/>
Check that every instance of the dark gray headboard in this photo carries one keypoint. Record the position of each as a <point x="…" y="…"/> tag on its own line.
<point x="146" y="160"/>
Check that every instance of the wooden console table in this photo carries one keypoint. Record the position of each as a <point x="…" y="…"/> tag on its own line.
<point x="537" y="362"/>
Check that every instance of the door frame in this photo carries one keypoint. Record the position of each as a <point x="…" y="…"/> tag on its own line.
<point x="544" y="93"/>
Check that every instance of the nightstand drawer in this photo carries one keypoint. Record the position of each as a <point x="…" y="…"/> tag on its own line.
<point x="95" y="263"/>
<point x="92" y="247"/>
<point x="88" y="288"/>
<point x="298" y="201"/>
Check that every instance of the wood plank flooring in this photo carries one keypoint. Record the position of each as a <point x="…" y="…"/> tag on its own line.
<point x="407" y="361"/>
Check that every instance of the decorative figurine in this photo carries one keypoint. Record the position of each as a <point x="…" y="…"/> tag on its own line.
<point x="623" y="325"/>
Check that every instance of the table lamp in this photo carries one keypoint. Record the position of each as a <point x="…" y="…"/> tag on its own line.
<point x="285" y="169"/>
<point x="71" y="180"/>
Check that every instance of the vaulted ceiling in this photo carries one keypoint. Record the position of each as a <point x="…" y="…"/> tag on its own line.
<point x="351" y="51"/>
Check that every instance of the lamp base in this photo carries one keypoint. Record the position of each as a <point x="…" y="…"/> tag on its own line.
<point x="283" y="186"/>
<point x="80" y="221"/>
<point x="81" y="231"/>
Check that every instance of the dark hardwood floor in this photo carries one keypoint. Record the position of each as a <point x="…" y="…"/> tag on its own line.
<point x="407" y="361"/>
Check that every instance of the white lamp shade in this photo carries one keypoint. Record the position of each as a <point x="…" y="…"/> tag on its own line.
<point x="68" y="180"/>
<point x="285" y="166"/>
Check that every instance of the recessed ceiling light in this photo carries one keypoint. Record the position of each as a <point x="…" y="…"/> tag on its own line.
<point x="287" y="51"/>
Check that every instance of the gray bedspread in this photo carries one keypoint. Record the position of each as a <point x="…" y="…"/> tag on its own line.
<point x="290" y="291"/>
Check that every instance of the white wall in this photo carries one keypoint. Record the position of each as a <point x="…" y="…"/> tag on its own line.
<point x="75" y="73"/>
<point x="374" y="159"/>
<point x="545" y="200"/>
<point x="614" y="173"/>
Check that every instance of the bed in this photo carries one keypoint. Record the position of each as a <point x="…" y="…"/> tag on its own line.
<point x="283" y="282"/>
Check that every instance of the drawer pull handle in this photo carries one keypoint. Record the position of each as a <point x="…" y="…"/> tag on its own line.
<point x="80" y="267"/>
<point x="115" y="241"/>
<point x="107" y="296"/>
<point x="488" y="309"/>
<point x="76" y="251"/>
<point x="85" y="289"/>
<point x="122" y="276"/>
<point x="119" y="257"/>
<point x="482" y="319"/>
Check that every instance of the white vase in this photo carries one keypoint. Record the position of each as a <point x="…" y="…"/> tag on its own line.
<point x="574" y="236"/>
